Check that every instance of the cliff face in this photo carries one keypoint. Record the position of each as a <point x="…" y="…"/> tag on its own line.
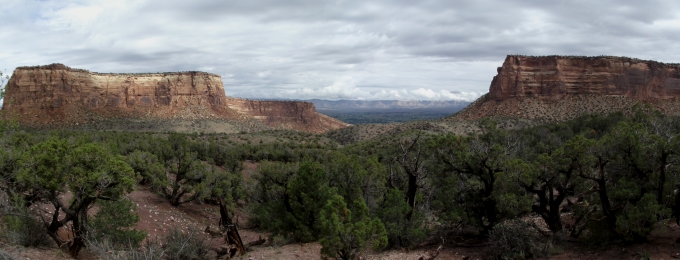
<point x="556" y="88"/>
<point x="553" y="77"/>
<point x="56" y="95"/>
<point x="296" y="115"/>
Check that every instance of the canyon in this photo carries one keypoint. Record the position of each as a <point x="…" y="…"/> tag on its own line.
<point x="57" y="95"/>
<point x="556" y="88"/>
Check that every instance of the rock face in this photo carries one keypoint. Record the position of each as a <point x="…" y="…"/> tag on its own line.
<point x="56" y="94"/>
<point x="553" y="77"/>
<point x="562" y="87"/>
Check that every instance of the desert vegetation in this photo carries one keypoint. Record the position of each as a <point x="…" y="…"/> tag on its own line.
<point x="520" y="193"/>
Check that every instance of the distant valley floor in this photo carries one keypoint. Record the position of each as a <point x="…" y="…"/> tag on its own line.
<point x="384" y="116"/>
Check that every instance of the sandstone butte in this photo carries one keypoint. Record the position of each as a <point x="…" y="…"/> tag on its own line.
<point x="57" y="95"/>
<point x="557" y="88"/>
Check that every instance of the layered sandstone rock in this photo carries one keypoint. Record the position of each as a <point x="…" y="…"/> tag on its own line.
<point x="56" y="94"/>
<point x="553" y="77"/>
<point x="557" y="88"/>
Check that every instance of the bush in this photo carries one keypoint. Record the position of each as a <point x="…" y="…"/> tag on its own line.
<point x="184" y="246"/>
<point x="514" y="239"/>
<point x="21" y="227"/>
<point x="25" y="231"/>
<point x="347" y="232"/>
<point x="289" y="203"/>
<point x="114" y="222"/>
<point x="401" y="232"/>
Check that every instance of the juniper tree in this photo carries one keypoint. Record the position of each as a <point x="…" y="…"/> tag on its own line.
<point x="87" y="171"/>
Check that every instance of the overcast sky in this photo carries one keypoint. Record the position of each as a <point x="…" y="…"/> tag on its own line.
<point x="357" y="49"/>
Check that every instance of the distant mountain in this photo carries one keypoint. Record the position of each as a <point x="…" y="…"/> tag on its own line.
<point x="382" y="105"/>
<point x="387" y="111"/>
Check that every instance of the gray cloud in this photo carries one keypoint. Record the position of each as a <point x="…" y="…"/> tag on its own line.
<point x="399" y="49"/>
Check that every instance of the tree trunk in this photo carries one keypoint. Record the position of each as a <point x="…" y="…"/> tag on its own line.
<point x="411" y="194"/>
<point x="662" y="178"/>
<point x="232" y="237"/>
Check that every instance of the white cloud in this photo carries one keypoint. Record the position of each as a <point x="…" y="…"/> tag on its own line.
<point x="345" y="88"/>
<point x="332" y="49"/>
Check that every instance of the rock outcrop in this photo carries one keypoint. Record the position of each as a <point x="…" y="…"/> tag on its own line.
<point x="58" y="95"/>
<point x="298" y="115"/>
<point x="556" y="88"/>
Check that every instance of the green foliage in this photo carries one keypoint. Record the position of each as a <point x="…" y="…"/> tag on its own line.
<point x="355" y="177"/>
<point x="637" y="221"/>
<point x="471" y="164"/>
<point x="615" y="175"/>
<point x="185" y="172"/>
<point x="512" y="199"/>
<point x="288" y="199"/>
<point x="88" y="171"/>
<point x="347" y="232"/>
<point x="115" y="221"/>
<point x="305" y="195"/>
<point x="148" y="166"/>
<point x="268" y="209"/>
<point x="401" y="231"/>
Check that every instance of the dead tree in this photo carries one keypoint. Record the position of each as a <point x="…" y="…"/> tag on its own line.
<point x="230" y="231"/>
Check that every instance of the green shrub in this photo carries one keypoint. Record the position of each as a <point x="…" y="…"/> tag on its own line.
<point x="346" y="232"/>
<point x="22" y="228"/>
<point x="25" y="231"/>
<point x="288" y="203"/>
<point x="114" y="222"/>
<point x="401" y="231"/>
<point x="638" y="220"/>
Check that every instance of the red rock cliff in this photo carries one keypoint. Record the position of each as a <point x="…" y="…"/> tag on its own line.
<point x="556" y="88"/>
<point x="56" y="94"/>
<point x="552" y="77"/>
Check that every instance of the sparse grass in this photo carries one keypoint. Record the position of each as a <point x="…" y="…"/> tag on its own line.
<point x="103" y="249"/>
<point x="5" y="256"/>
<point x="181" y="245"/>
